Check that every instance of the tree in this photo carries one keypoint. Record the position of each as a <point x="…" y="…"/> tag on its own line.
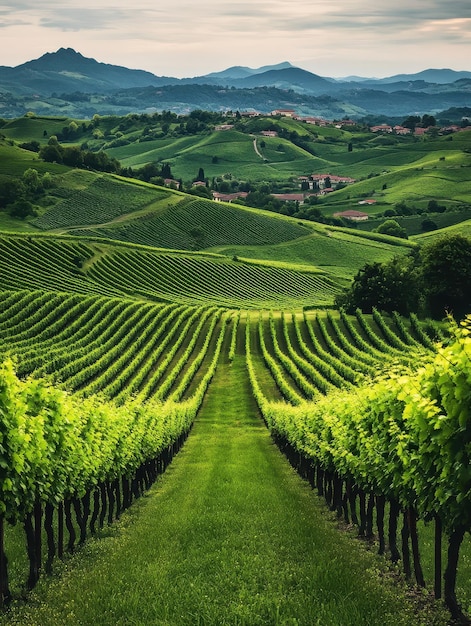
<point x="428" y="225"/>
<point x="166" y="172"/>
<point x="446" y="275"/>
<point x="411" y="122"/>
<point x="72" y="156"/>
<point x="21" y="209"/>
<point x="201" y="191"/>
<point x="428" y="120"/>
<point x="32" y="146"/>
<point x="200" y="175"/>
<point x="51" y="153"/>
<point x="10" y="190"/>
<point x="32" y="180"/>
<point x="434" y="207"/>
<point x="391" y="286"/>
<point x="392" y="228"/>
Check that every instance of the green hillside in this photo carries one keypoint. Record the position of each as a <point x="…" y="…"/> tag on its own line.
<point x="187" y="223"/>
<point x="463" y="228"/>
<point x="391" y="169"/>
<point x="159" y="276"/>
<point x="99" y="206"/>
<point x="135" y="318"/>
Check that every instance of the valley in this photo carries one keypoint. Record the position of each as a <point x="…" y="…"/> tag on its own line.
<point x="187" y="356"/>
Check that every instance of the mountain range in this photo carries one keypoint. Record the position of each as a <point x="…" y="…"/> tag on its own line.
<point x="66" y="81"/>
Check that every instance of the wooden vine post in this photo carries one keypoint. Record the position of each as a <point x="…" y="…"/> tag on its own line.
<point x="438" y="558"/>
<point x="5" y="595"/>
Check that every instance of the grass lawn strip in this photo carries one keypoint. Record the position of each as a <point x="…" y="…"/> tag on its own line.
<point x="229" y="536"/>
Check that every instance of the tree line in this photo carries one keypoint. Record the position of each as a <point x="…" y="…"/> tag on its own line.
<point x="432" y="280"/>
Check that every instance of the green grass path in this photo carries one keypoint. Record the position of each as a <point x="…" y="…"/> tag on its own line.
<point x="230" y="535"/>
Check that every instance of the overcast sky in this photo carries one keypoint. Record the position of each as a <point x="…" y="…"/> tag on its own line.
<point x="193" y="37"/>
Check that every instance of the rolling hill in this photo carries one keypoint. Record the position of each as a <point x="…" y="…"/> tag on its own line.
<point x="130" y="310"/>
<point x="101" y="230"/>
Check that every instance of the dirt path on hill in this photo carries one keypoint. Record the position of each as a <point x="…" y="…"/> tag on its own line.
<point x="255" y="147"/>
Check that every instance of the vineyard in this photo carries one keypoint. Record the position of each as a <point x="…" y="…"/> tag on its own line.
<point x="133" y="355"/>
<point x="158" y="276"/>
<point x="195" y="224"/>
<point x="102" y="200"/>
<point x="146" y="312"/>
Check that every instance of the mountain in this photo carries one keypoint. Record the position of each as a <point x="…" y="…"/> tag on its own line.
<point x="287" y="78"/>
<point x="67" y="83"/>
<point x="67" y="70"/>
<point x="441" y="77"/>
<point x="238" y="71"/>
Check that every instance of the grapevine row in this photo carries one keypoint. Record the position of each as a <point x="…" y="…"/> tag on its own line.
<point x="400" y="440"/>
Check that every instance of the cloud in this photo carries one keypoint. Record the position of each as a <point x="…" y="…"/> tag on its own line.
<point x="76" y="19"/>
<point x="212" y="34"/>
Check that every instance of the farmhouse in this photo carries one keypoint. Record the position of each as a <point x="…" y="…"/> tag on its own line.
<point x="228" y="197"/>
<point x="284" y="112"/>
<point x="171" y="182"/>
<point x="355" y="216"/>
<point x="321" y="180"/>
<point x="224" y="127"/>
<point x="401" y="130"/>
<point x="290" y="197"/>
<point x="344" y="123"/>
<point x="381" y="128"/>
<point x="317" y="121"/>
<point x="269" y="133"/>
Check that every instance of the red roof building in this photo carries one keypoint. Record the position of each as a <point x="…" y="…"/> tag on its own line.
<point x="228" y="197"/>
<point x="356" y="216"/>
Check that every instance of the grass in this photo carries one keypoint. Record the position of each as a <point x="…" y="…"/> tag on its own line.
<point x="230" y="535"/>
<point x="337" y="253"/>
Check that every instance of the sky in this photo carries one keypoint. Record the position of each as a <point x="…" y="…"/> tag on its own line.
<point x="185" y="38"/>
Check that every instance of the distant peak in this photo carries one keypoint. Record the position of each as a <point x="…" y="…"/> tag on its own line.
<point x="69" y="52"/>
<point x="62" y="57"/>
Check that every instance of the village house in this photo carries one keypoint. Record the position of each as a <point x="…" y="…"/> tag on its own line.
<point x="355" y="216"/>
<point x="269" y="133"/>
<point x="381" y="128"/>
<point x="284" y="112"/>
<point x="171" y="182"/>
<point x="229" y="197"/>
<point x="290" y="197"/>
<point x="345" y="123"/>
<point x="317" y="121"/>
<point x="319" y="181"/>
<point x="401" y="130"/>
<point x="224" y="127"/>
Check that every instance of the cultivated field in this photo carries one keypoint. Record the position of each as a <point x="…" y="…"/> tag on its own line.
<point x="135" y="319"/>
